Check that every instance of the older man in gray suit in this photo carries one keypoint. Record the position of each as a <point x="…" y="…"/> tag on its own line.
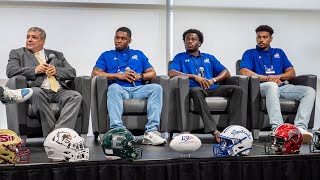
<point x="46" y="72"/>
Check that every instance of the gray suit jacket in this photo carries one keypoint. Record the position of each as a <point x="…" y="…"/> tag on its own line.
<point x="23" y="62"/>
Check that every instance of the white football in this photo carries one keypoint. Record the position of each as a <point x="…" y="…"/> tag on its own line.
<point x="185" y="143"/>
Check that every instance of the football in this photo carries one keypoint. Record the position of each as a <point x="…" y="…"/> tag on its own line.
<point x="185" y="143"/>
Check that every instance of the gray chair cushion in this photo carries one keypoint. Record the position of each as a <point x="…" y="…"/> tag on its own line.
<point x="287" y="106"/>
<point x="216" y="104"/>
<point x="135" y="106"/>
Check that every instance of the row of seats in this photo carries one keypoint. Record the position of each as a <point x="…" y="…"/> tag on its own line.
<point x="178" y="112"/>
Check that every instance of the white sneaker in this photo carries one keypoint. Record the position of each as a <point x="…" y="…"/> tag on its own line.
<point x="153" y="138"/>
<point x="307" y="136"/>
<point x="11" y="96"/>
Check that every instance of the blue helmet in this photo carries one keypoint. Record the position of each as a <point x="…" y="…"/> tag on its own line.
<point x="235" y="141"/>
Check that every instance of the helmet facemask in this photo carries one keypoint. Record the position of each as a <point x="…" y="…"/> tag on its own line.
<point x="314" y="146"/>
<point x="224" y="148"/>
<point x="23" y="154"/>
<point x="275" y="145"/>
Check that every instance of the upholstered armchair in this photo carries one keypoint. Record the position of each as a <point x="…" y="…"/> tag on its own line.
<point x="184" y="117"/>
<point x="135" y="110"/>
<point x="257" y="111"/>
<point x="22" y="120"/>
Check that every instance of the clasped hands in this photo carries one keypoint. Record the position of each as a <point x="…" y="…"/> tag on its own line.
<point x="274" y="78"/>
<point x="129" y="76"/>
<point x="204" y="83"/>
<point x="48" y="69"/>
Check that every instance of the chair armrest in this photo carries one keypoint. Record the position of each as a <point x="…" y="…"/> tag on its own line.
<point x="179" y="104"/>
<point x="243" y="82"/>
<point x="164" y="82"/>
<point x="17" y="82"/>
<point x="305" y="80"/>
<point x="16" y="113"/>
<point x="82" y="84"/>
<point x="311" y="81"/>
<point x="254" y="103"/>
<point x="99" y="86"/>
<point x="238" y="80"/>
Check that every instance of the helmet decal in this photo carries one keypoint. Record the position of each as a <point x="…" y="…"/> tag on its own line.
<point x="62" y="137"/>
<point x="116" y="141"/>
<point x="6" y="138"/>
<point x="66" y="137"/>
<point x="294" y="134"/>
<point x="241" y="131"/>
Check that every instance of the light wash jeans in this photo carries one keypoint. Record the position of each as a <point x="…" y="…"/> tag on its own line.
<point x="116" y="94"/>
<point x="304" y="94"/>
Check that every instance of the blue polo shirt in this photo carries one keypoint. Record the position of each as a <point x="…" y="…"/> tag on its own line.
<point x="188" y="64"/>
<point x="257" y="60"/>
<point x="115" y="61"/>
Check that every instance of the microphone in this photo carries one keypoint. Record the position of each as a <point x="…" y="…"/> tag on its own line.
<point x="201" y="71"/>
<point x="133" y="83"/>
<point x="50" y="58"/>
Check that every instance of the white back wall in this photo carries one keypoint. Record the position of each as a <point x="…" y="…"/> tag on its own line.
<point x="228" y="33"/>
<point x="82" y="34"/>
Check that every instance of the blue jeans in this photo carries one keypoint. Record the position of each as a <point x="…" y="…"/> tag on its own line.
<point x="306" y="95"/>
<point x="116" y="94"/>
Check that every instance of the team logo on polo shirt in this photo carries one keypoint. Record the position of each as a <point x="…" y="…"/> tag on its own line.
<point x="276" y="55"/>
<point x="206" y="61"/>
<point x="134" y="57"/>
<point x="186" y="60"/>
<point x="115" y="58"/>
<point x="260" y="57"/>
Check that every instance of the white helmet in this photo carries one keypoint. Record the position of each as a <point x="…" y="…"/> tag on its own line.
<point x="65" y="144"/>
<point x="235" y="141"/>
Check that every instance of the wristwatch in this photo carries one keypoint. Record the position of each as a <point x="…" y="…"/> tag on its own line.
<point x="142" y="76"/>
<point x="214" y="80"/>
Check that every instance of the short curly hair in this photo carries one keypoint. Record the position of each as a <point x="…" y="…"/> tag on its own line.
<point x="199" y="33"/>
<point x="125" y="29"/>
<point x="264" y="28"/>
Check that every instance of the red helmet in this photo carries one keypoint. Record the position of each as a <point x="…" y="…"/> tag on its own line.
<point x="286" y="139"/>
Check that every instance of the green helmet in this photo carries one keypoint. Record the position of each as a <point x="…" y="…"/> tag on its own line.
<point x="121" y="143"/>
